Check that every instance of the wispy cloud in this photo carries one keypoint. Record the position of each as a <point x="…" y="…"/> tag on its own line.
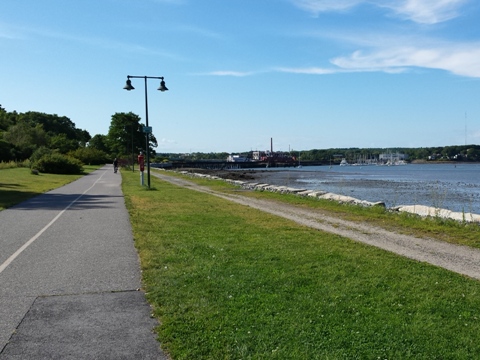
<point x="174" y="2"/>
<point x="459" y="59"/>
<point x="318" y="6"/>
<point x="199" y="31"/>
<point x="229" y="73"/>
<point x="419" y="11"/>
<point x="26" y="34"/>
<point x="310" y="70"/>
<point x="10" y="32"/>
<point x="426" y="11"/>
<point x="397" y="55"/>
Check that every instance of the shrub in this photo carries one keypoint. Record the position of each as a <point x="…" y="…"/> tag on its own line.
<point x="8" y="165"/>
<point x="90" y="156"/>
<point x="58" y="164"/>
<point x="39" y="153"/>
<point x="14" y="164"/>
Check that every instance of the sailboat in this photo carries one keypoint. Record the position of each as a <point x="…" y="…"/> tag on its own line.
<point x="299" y="165"/>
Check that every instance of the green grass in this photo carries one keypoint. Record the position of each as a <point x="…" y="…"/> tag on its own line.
<point x="451" y="231"/>
<point x="19" y="184"/>
<point x="230" y="282"/>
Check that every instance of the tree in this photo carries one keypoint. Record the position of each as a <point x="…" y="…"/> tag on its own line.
<point x="125" y="133"/>
<point x="83" y="137"/>
<point x="99" y="142"/>
<point x="26" y="132"/>
<point x="6" y="150"/>
<point x="473" y="153"/>
<point x="52" y="124"/>
<point x="25" y="138"/>
<point x="63" y="144"/>
<point x="90" y="156"/>
<point x="6" y="119"/>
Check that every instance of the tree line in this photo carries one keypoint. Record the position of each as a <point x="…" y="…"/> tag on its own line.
<point x="54" y="143"/>
<point x="352" y="155"/>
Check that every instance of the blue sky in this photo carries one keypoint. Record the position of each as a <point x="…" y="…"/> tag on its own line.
<point x="311" y="74"/>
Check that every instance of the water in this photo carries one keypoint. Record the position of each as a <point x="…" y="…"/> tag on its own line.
<point x="454" y="187"/>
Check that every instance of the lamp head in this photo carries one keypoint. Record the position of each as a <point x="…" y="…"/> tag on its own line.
<point x="129" y="86"/>
<point x="162" y="86"/>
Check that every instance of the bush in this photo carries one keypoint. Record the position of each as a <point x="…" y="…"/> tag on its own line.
<point x="39" y="153"/>
<point x="14" y="164"/>
<point x="8" y="165"/>
<point x="90" y="156"/>
<point x="58" y="164"/>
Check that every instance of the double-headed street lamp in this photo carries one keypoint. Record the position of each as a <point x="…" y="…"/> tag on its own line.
<point x="147" y="129"/>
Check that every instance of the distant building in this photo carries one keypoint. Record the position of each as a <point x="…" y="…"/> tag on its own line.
<point x="392" y="158"/>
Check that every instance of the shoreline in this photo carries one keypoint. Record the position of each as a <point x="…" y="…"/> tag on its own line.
<point x="286" y="181"/>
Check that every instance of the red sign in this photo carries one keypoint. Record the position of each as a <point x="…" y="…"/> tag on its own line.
<point x="141" y="162"/>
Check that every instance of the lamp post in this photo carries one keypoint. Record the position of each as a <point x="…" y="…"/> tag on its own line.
<point x="162" y="88"/>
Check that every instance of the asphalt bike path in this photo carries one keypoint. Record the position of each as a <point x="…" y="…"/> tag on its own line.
<point x="70" y="276"/>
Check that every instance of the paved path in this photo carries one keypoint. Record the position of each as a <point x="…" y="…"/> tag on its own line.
<point x="69" y="277"/>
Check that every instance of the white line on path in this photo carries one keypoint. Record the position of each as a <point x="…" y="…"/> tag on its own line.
<point x="37" y="235"/>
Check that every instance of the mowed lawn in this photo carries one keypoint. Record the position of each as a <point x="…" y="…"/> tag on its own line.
<point x="230" y="282"/>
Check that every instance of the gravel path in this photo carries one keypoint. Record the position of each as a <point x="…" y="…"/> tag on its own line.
<point x="460" y="259"/>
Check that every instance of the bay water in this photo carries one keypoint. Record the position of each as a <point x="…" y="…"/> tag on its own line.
<point x="455" y="187"/>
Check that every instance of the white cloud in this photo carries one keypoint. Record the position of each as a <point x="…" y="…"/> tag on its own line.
<point x="462" y="59"/>
<point x="318" y="6"/>
<point x="310" y="70"/>
<point x="396" y="54"/>
<point x="426" y="11"/>
<point x="229" y="73"/>
<point x="200" y="31"/>
<point x="10" y="32"/>
<point x="420" y="11"/>
<point x="175" y="2"/>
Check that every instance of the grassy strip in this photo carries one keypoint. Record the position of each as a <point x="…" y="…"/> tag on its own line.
<point x="230" y="282"/>
<point x="19" y="184"/>
<point x="448" y="230"/>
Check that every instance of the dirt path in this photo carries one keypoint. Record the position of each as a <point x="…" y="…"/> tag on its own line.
<point x="461" y="259"/>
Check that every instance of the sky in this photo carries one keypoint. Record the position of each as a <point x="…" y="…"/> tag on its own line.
<point x="308" y="74"/>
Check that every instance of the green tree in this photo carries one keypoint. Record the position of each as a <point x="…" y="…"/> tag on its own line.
<point x="6" y="119"/>
<point x="6" y="151"/>
<point x="125" y="133"/>
<point x="26" y="132"/>
<point x="25" y="138"/>
<point x="90" y="156"/>
<point x="99" y="142"/>
<point x="473" y="153"/>
<point x="53" y="124"/>
<point x="63" y="144"/>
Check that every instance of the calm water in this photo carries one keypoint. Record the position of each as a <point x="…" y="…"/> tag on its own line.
<point x="448" y="186"/>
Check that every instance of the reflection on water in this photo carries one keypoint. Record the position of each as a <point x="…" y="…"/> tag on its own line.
<point x="448" y="186"/>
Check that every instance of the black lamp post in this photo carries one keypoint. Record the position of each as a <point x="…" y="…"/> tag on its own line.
<point x="162" y="88"/>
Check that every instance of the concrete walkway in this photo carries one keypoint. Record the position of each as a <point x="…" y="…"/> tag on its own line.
<point x="69" y="277"/>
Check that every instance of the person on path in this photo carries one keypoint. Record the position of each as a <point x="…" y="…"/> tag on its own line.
<point x="115" y="165"/>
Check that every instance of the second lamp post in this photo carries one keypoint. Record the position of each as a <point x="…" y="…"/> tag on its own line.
<point x="147" y="129"/>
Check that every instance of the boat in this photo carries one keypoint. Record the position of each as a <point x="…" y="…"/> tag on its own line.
<point x="344" y="162"/>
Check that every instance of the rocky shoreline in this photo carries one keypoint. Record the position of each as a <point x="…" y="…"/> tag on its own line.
<point x="262" y="180"/>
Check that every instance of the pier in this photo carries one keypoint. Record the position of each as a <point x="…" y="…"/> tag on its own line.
<point x="227" y="165"/>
